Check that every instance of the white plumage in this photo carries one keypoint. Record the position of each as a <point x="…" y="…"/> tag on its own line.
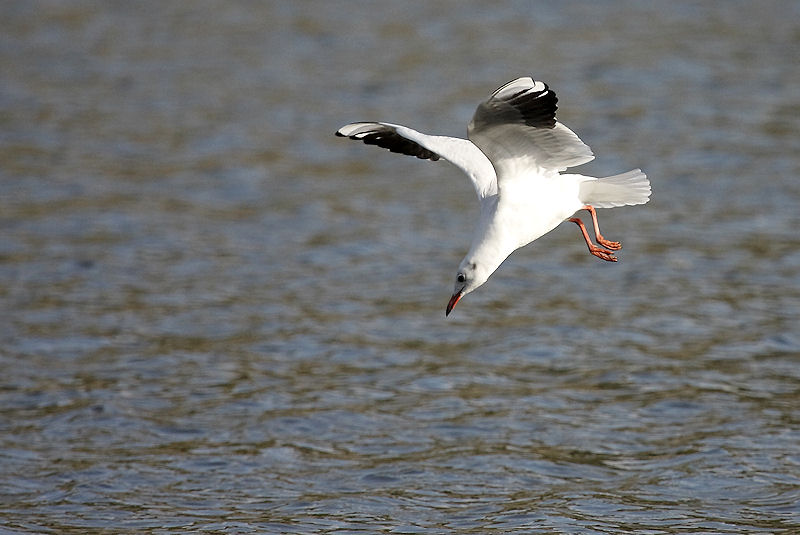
<point x="515" y="157"/>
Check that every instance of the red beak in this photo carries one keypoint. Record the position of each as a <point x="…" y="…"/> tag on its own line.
<point x="453" y="300"/>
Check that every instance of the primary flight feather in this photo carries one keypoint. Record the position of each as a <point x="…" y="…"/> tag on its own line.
<point x="515" y="157"/>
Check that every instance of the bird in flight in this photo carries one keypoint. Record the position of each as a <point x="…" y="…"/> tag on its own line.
<point x="515" y="156"/>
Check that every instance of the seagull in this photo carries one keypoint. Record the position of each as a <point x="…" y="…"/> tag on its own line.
<point x="515" y="156"/>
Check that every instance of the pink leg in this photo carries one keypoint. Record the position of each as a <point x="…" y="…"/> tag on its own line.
<point x="599" y="252"/>
<point x="613" y="245"/>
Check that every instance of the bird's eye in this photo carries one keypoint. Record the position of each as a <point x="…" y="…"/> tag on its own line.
<point x="460" y="277"/>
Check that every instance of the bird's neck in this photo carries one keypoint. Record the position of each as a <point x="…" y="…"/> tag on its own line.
<point x="490" y="247"/>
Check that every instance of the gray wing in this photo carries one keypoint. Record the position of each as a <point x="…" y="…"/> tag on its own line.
<point x="517" y="126"/>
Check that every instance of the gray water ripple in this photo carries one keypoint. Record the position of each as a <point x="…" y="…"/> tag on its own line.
<point x="218" y="317"/>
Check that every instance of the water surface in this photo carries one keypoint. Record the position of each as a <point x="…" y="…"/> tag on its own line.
<point x="219" y="318"/>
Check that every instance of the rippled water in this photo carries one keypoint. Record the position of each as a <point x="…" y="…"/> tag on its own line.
<point x="219" y="318"/>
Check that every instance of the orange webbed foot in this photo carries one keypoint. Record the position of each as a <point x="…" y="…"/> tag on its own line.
<point x="608" y="244"/>
<point x="603" y="254"/>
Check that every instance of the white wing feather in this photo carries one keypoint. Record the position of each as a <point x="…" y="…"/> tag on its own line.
<point x="460" y="152"/>
<point x="516" y="128"/>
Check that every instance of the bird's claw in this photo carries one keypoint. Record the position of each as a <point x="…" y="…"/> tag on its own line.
<point x="608" y="244"/>
<point x="604" y="254"/>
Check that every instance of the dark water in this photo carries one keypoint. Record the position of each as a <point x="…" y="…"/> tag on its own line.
<point x="219" y="318"/>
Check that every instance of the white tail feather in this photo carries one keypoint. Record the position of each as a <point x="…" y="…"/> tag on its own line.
<point x="619" y="190"/>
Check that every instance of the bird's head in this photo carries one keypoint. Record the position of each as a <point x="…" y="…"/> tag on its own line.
<point x="470" y="276"/>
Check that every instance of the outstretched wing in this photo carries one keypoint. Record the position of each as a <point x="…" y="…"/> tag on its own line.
<point x="386" y="136"/>
<point x="460" y="152"/>
<point x="516" y="128"/>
